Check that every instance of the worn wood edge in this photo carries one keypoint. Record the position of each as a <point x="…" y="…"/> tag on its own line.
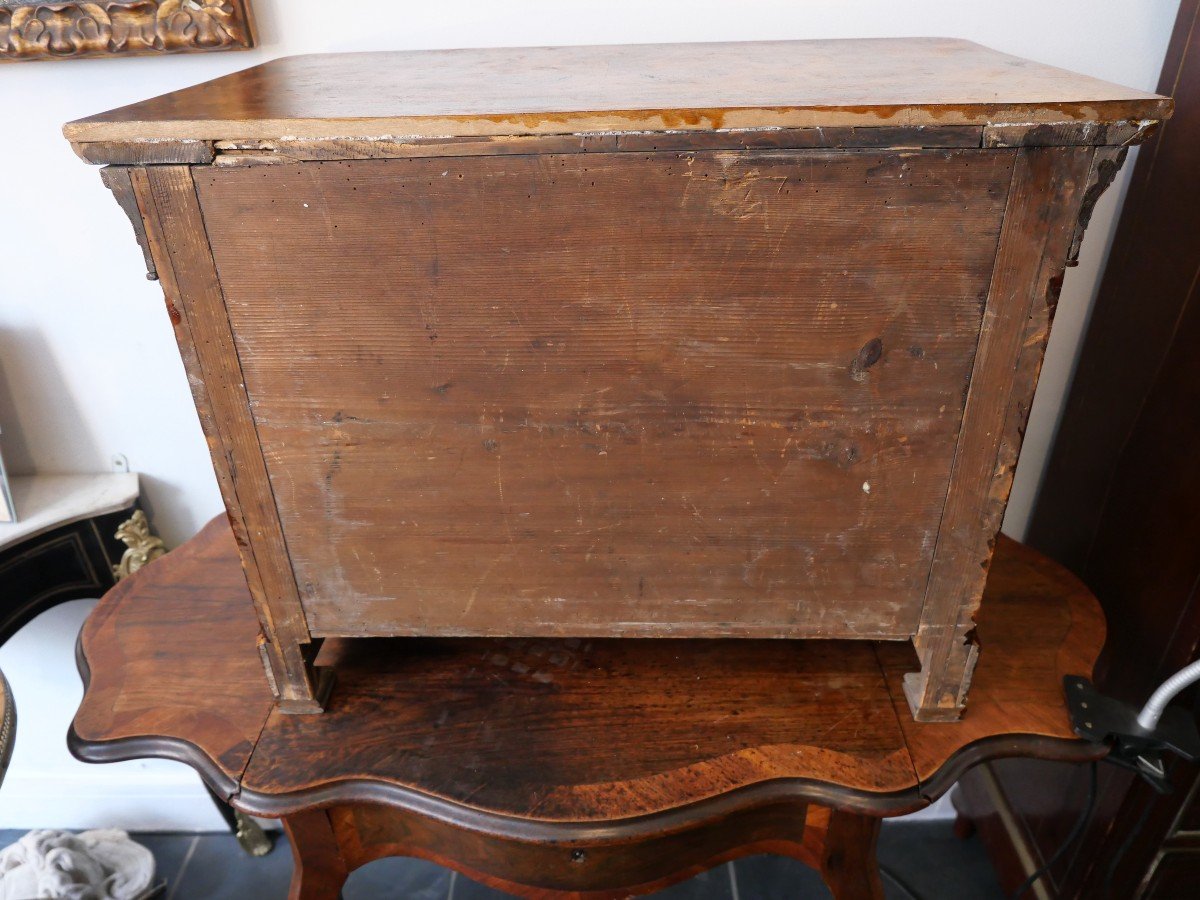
<point x="149" y="746"/>
<point x="945" y="639"/>
<point x="228" y="149"/>
<point x="616" y="120"/>
<point x="146" y="153"/>
<point x="1010" y="119"/>
<point x="268" y="152"/>
<point x="1060" y="134"/>
<point x="323" y="678"/>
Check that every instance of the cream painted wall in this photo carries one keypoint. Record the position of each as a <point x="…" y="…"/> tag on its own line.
<point x="88" y="366"/>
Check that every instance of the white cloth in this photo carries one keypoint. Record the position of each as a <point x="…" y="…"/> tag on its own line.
<point x="94" y="865"/>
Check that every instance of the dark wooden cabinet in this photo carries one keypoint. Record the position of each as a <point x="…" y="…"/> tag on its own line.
<point x="701" y="340"/>
<point x="1121" y="506"/>
<point x="65" y="545"/>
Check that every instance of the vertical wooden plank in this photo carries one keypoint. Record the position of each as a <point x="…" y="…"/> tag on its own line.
<point x="1043" y="208"/>
<point x="195" y="302"/>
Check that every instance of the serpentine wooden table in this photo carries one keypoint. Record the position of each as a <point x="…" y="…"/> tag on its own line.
<point x="551" y="768"/>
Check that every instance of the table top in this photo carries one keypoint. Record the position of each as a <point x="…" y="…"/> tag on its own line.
<point x="538" y="736"/>
<point x="45" y="502"/>
<point x="655" y="87"/>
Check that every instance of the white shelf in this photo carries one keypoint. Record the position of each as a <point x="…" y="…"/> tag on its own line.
<point x="45" y="502"/>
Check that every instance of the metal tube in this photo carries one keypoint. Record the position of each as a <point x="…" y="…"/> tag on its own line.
<point x="1153" y="710"/>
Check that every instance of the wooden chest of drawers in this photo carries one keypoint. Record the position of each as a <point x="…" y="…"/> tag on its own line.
<point x="714" y="340"/>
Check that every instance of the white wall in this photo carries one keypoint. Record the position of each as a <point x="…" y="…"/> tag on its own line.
<point x="88" y="366"/>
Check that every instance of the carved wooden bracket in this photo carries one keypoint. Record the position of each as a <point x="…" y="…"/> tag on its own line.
<point x="1105" y="166"/>
<point x="74" y="30"/>
<point x="116" y="179"/>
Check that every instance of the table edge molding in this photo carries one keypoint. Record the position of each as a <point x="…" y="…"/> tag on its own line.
<point x="763" y="794"/>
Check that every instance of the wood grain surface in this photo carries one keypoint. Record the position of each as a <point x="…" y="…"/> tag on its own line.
<point x="656" y="87"/>
<point x="331" y="842"/>
<point x="563" y="381"/>
<point x="195" y="302"/>
<point x="539" y="738"/>
<point x="678" y="418"/>
<point x="605" y="728"/>
<point x="1037" y="623"/>
<point x="199" y="698"/>
<point x="1044" y="205"/>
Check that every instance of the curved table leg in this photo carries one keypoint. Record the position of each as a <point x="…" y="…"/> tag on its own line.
<point x="320" y="870"/>
<point x="848" y="863"/>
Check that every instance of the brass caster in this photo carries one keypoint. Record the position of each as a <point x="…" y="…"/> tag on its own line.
<point x="251" y="836"/>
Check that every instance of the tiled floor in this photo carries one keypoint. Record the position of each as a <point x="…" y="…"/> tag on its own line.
<point x="920" y="859"/>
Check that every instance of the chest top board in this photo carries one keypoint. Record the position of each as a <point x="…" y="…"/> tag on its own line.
<point x="696" y="340"/>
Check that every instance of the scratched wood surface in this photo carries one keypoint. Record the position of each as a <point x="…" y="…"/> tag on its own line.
<point x="179" y="246"/>
<point x="635" y="737"/>
<point x="669" y="340"/>
<point x="723" y="401"/>
<point x="1043" y="212"/>
<point x="556" y="90"/>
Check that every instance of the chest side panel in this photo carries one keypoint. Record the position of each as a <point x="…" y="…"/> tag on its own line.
<point x="613" y="394"/>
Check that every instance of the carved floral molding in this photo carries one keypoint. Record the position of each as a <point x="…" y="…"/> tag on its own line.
<point x="122" y="28"/>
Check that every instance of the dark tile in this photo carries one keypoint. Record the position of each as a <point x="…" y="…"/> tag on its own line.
<point x="931" y="862"/>
<point x="922" y="859"/>
<point x="778" y="878"/>
<point x="711" y="885"/>
<point x="466" y="889"/>
<point x="398" y="877"/>
<point x="924" y="856"/>
<point x="219" y="869"/>
<point x="169" y="849"/>
<point x="715" y="884"/>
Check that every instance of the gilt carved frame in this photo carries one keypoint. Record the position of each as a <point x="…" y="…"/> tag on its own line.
<point x="103" y="28"/>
